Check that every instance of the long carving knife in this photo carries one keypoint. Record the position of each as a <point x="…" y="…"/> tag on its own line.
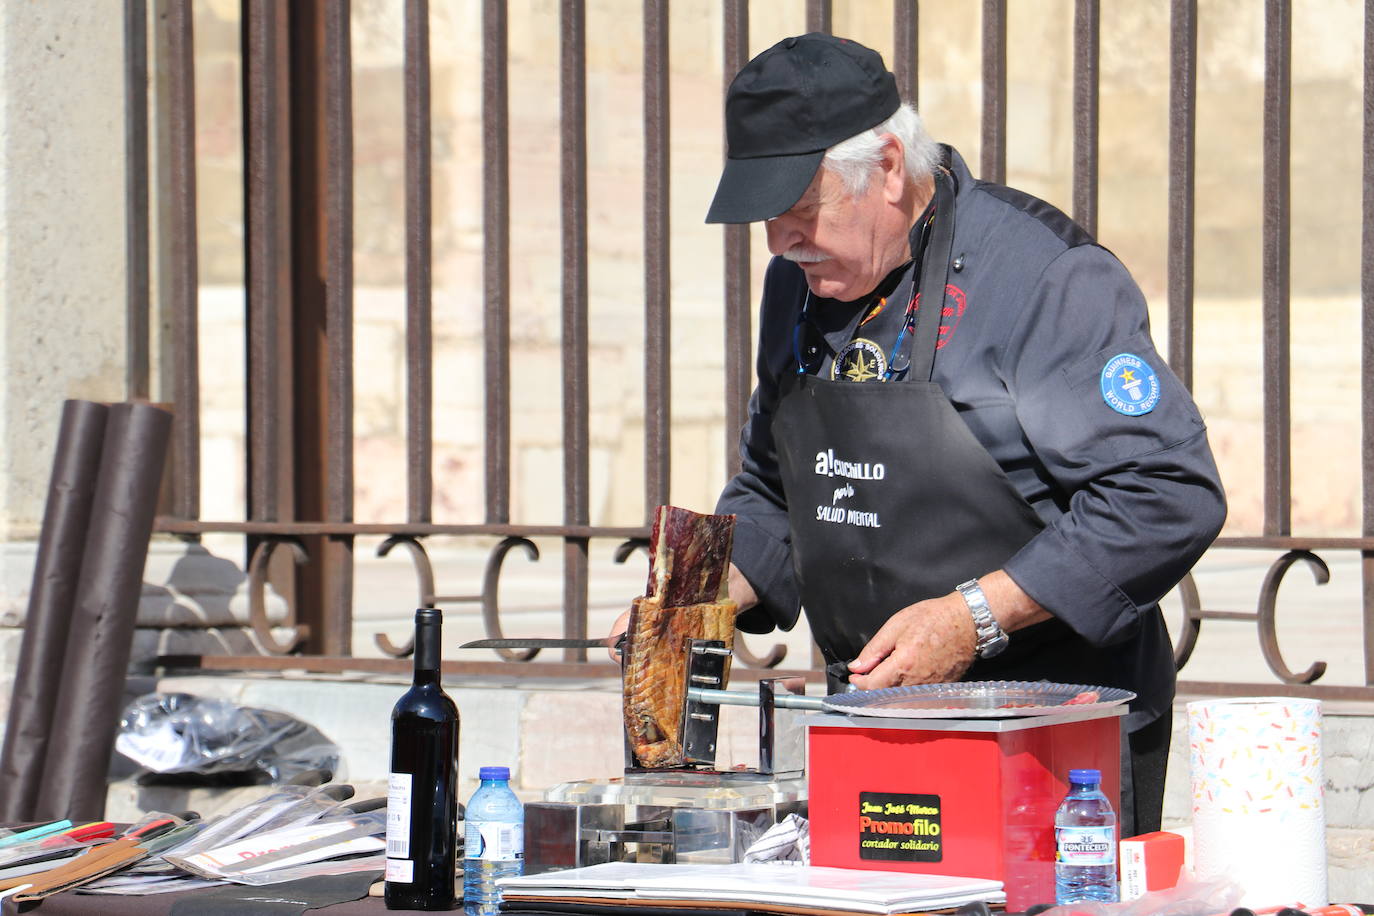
<point x="534" y="643"/>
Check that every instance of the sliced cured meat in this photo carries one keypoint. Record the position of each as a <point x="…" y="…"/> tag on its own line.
<point x="1083" y="698"/>
<point x="689" y="557"/>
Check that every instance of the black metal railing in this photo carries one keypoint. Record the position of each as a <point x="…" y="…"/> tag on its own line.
<point x="297" y="142"/>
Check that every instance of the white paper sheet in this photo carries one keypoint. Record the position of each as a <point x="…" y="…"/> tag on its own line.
<point x="859" y="890"/>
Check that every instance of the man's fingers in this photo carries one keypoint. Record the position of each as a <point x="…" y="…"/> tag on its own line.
<point x="879" y="647"/>
<point x="883" y="674"/>
<point x="615" y="640"/>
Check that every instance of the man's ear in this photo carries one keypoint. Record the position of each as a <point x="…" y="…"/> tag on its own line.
<point x="893" y="165"/>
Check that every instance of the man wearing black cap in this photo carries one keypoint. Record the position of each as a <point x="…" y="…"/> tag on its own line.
<point x="1002" y="487"/>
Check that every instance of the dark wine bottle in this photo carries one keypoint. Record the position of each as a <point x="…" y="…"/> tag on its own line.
<point x="422" y="795"/>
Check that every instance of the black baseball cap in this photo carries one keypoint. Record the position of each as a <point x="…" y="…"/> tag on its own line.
<point x="785" y="109"/>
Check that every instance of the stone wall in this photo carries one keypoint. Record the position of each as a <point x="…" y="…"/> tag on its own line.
<point x="61" y="235"/>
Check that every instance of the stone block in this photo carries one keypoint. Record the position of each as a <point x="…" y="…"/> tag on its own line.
<point x="355" y="716"/>
<point x="219" y="688"/>
<point x="1349" y="854"/>
<point x="492" y="730"/>
<point x="569" y="736"/>
<point x="186" y="585"/>
<point x="127" y="801"/>
<point x="1347" y="745"/>
<point x="17" y="560"/>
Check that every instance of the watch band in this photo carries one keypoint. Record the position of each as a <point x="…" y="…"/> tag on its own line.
<point x="992" y="639"/>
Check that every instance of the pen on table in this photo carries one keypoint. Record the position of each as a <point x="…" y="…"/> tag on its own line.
<point x="34" y="833"/>
<point x="93" y="831"/>
<point x="152" y="828"/>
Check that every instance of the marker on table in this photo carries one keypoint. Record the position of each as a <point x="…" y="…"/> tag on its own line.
<point x="92" y="831"/>
<point x="34" y="833"/>
<point x="152" y="829"/>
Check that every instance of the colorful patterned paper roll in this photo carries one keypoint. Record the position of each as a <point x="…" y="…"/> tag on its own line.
<point x="1258" y="817"/>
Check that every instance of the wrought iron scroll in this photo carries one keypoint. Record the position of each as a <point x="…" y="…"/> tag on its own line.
<point x="487" y="598"/>
<point x="424" y="573"/>
<point x="1192" y="622"/>
<point x="491" y="611"/>
<point x="1264" y="617"/>
<point x="770" y="659"/>
<point x="1269" y="593"/>
<point x="257" y="588"/>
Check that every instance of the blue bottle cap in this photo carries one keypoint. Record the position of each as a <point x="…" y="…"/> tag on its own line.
<point x="1084" y="777"/>
<point x="494" y="773"/>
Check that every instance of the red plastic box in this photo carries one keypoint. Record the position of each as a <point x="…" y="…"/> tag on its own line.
<point x="1150" y="862"/>
<point x="973" y="797"/>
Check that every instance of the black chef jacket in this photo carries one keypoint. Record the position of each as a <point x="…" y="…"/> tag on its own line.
<point x="1038" y="317"/>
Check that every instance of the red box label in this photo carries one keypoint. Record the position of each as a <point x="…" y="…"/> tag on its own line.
<point x="900" y="827"/>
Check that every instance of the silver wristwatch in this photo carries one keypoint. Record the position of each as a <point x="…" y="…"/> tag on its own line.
<point x="991" y="637"/>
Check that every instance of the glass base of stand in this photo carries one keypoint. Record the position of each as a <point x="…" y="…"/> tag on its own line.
<point x="662" y="816"/>
<point x="707" y="789"/>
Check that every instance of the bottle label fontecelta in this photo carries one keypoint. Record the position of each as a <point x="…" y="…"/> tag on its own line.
<point x="1085" y="845"/>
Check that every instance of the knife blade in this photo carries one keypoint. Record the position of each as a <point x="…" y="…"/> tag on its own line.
<point x="597" y="643"/>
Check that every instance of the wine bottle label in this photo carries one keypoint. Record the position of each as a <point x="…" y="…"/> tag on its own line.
<point x="398" y="817"/>
<point x="494" y="841"/>
<point x="400" y="871"/>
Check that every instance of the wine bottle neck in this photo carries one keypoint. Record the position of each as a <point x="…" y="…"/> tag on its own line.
<point x="428" y="642"/>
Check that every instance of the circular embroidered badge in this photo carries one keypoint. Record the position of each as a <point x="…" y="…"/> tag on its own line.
<point x="1129" y="385"/>
<point x="860" y="360"/>
<point x="950" y="315"/>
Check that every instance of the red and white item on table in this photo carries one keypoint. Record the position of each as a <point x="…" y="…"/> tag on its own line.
<point x="1150" y="862"/>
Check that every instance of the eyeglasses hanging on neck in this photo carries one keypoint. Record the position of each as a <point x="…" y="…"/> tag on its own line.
<point x="809" y="345"/>
<point x="810" y="348"/>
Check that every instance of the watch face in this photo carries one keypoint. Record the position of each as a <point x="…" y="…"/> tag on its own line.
<point x="994" y="646"/>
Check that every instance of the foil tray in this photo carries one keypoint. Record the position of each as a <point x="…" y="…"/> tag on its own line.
<point x="975" y="700"/>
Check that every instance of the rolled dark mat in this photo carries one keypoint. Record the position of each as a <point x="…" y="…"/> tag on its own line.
<point x="52" y="597"/>
<point x="107" y="594"/>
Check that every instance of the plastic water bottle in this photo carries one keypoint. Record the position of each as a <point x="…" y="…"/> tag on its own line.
<point x="1085" y="842"/>
<point x="493" y="840"/>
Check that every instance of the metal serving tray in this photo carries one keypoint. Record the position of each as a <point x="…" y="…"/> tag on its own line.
<point x="977" y="700"/>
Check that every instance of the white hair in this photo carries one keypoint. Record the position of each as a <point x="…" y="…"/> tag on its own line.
<point x="853" y="160"/>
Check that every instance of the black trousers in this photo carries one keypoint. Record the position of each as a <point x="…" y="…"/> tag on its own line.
<point x="1144" y="758"/>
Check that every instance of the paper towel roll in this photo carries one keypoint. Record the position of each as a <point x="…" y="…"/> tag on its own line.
<point x="1256" y="773"/>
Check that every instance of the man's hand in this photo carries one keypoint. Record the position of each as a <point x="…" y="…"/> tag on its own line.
<point x="613" y="642"/>
<point x="741" y="592"/>
<point x="934" y="641"/>
<point x="928" y="642"/>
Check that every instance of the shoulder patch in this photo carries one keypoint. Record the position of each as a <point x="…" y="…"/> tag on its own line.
<point x="1130" y="386"/>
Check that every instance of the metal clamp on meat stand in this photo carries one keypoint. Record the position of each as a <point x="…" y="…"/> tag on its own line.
<point x="687" y="811"/>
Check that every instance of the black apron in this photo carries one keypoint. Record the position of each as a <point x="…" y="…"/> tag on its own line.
<point x="891" y="499"/>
